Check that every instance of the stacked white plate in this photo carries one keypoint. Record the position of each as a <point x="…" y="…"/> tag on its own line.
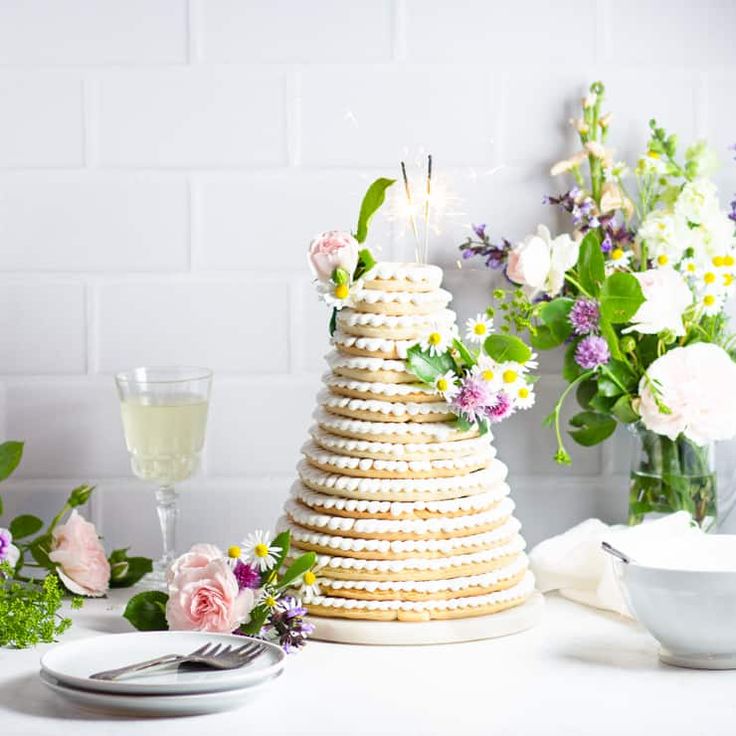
<point x="66" y="669"/>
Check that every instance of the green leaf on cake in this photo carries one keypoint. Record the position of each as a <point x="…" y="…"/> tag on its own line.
<point x="297" y="569"/>
<point x="372" y="201"/>
<point x="621" y="297"/>
<point x="333" y="321"/>
<point x="366" y="261"/>
<point x="11" y="453"/>
<point x="283" y="542"/>
<point x="147" y="611"/>
<point x="465" y="355"/>
<point x="427" y="367"/>
<point x="507" y="347"/>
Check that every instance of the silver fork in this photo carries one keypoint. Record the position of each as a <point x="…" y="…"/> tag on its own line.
<point x="216" y="656"/>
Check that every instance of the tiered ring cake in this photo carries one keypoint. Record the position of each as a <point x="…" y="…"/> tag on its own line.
<point x="409" y="516"/>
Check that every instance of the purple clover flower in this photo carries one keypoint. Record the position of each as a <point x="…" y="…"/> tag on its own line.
<point x="592" y="352"/>
<point x="473" y="399"/>
<point x="287" y="622"/>
<point x="501" y="409"/>
<point x="585" y="316"/>
<point x="5" y="541"/>
<point x="247" y="576"/>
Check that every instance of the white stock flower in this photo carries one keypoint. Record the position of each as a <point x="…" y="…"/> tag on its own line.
<point x="666" y="237"/>
<point x="694" y="384"/>
<point x="539" y="262"/>
<point x="667" y="296"/>
<point x="698" y="200"/>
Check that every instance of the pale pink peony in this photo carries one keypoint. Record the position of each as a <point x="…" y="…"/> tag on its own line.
<point x="695" y="383"/>
<point x="199" y="556"/>
<point x="80" y="556"/>
<point x="330" y="250"/>
<point x="207" y="598"/>
<point x="667" y="296"/>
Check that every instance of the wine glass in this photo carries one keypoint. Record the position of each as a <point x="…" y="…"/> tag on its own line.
<point x="164" y="414"/>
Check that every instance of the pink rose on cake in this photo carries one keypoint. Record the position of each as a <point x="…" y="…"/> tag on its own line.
<point x="204" y="594"/>
<point x="80" y="557"/>
<point x="330" y="250"/>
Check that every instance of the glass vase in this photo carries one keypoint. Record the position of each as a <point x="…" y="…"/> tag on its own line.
<point x="672" y="475"/>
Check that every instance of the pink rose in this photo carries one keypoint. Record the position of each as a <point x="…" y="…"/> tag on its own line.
<point x="199" y="556"/>
<point x="80" y="556"/>
<point x="330" y="250"/>
<point x="206" y="598"/>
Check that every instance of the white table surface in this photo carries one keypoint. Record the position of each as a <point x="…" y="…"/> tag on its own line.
<point x="579" y="672"/>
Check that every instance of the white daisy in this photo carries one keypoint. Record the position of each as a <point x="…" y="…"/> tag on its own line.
<point x="524" y="397"/>
<point x="258" y="550"/>
<point x="269" y="597"/>
<point x="711" y="303"/>
<point x="339" y="295"/>
<point x="489" y="370"/>
<point x="436" y="341"/>
<point x="689" y="268"/>
<point x="512" y="377"/>
<point x="618" y="260"/>
<point x="309" y="589"/>
<point x="446" y="385"/>
<point x="478" y="328"/>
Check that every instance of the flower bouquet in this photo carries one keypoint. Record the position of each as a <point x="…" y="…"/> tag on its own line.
<point x="241" y="591"/>
<point x="39" y="563"/>
<point x="636" y="294"/>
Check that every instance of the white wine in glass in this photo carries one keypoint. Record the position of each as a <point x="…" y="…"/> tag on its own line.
<point x="164" y="413"/>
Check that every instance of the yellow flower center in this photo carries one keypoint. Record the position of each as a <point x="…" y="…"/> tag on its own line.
<point x="509" y="376"/>
<point x="442" y="384"/>
<point x="652" y="154"/>
<point x="690" y="268"/>
<point x="709" y="277"/>
<point x="718" y="261"/>
<point x="661" y="225"/>
<point x="270" y="601"/>
<point x="617" y="254"/>
<point x="523" y="392"/>
<point x="479" y="328"/>
<point x="487" y="375"/>
<point x="342" y="291"/>
<point x="234" y="552"/>
<point x="434" y="338"/>
<point x="309" y="578"/>
<point x="727" y="279"/>
<point x="663" y="260"/>
<point x="728" y="261"/>
<point x="261" y="550"/>
<point x="709" y="300"/>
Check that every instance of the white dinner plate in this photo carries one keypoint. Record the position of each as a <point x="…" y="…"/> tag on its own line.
<point x="73" y="663"/>
<point x="158" y="705"/>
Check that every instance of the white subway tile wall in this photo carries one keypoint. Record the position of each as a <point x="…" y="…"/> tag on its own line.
<point x="164" y="163"/>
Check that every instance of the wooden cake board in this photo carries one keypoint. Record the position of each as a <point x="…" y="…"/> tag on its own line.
<point x="510" y="621"/>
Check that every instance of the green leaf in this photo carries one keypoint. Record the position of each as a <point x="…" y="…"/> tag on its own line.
<point x="462" y="424"/>
<point x="543" y="338"/>
<point x="608" y="387"/>
<point x="40" y="549"/>
<point x="333" y="321"/>
<point x="373" y="199"/>
<point x="602" y="404"/>
<point x="366" y="261"/>
<point x="126" y="571"/>
<point x="465" y="355"/>
<point x="555" y="315"/>
<point x="483" y="428"/>
<point x="340" y="276"/>
<point x="283" y="542"/>
<point x="297" y="569"/>
<point x="591" y="265"/>
<point x="593" y="428"/>
<point x="25" y="525"/>
<point x="258" y="617"/>
<point x="11" y="453"/>
<point x="621" y="297"/>
<point x="611" y="338"/>
<point x="570" y="369"/>
<point x="147" y="611"/>
<point x="427" y="367"/>
<point x="622" y="374"/>
<point x="507" y="347"/>
<point x="80" y="495"/>
<point x="585" y="392"/>
<point x="624" y="411"/>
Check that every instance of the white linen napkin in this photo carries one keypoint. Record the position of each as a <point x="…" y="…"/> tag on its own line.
<point x="574" y="564"/>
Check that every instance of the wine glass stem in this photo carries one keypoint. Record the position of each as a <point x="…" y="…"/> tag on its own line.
<point x="168" y="516"/>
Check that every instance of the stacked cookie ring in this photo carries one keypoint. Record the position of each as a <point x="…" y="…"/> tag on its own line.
<point x="409" y="516"/>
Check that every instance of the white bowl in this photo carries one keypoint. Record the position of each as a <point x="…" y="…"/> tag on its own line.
<point x="686" y="598"/>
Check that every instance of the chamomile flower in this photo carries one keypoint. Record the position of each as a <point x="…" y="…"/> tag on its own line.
<point x="310" y="586"/>
<point x="524" y="396"/>
<point x="478" y="328"/>
<point x="689" y="268"/>
<point x="489" y="370"/>
<point x="619" y="260"/>
<point x="711" y="303"/>
<point x="339" y="295"/>
<point x="269" y="598"/>
<point x="436" y="341"/>
<point x="446" y="384"/>
<point x="512" y="377"/>
<point x="257" y="549"/>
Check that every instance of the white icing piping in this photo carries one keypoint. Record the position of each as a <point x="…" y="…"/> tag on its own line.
<point x="441" y="430"/>
<point x="372" y="344"/>
<point x="376" y="296"/>
<point x="394" y="408"/>
<point x="336" y="359"/>
<point x="445" y="317"/>
<point x="374" y="387"/>
<point x="413" y="272"/>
